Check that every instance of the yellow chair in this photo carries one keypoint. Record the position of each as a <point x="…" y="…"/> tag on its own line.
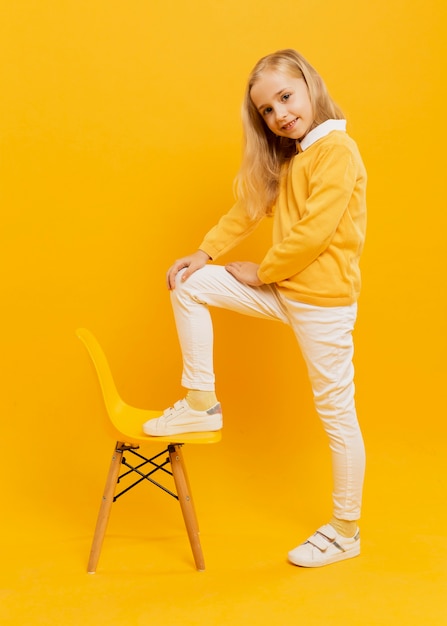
<point x="126" y="422"/>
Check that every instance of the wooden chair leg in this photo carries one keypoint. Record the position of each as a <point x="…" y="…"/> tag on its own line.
<point x="106" y="505"/>
<point x="186" y="503"/>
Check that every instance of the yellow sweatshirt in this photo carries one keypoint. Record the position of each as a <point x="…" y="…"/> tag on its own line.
<point x="319" y="222"/>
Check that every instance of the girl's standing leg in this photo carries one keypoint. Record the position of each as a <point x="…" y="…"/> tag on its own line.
<point x="325" y="338"/>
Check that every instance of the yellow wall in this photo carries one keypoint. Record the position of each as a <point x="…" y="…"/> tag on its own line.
<point x="120" y="137"/>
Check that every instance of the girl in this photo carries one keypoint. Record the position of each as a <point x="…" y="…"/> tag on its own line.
<point x="299" y="165"/>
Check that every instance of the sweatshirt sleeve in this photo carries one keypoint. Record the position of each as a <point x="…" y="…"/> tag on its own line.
<point x="231" y="229"/>
<point x="331" y="184"/>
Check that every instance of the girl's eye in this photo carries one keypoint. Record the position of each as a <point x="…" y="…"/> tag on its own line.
<point x="286" y="96"/>
<point x="267" y="110"/>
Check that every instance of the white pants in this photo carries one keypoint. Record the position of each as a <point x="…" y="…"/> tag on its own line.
<point x="324" y="335"/>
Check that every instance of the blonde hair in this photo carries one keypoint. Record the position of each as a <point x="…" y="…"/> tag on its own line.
<point x="264" y="153"/>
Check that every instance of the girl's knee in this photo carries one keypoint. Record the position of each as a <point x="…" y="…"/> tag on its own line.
<point x="201" y="278"/>
<point x="191" y="286"/>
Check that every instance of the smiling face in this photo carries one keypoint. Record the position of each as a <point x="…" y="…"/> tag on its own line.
<point x="284" y="104"/>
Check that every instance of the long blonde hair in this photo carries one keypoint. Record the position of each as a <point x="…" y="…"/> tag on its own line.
<point x="265" y="153"/>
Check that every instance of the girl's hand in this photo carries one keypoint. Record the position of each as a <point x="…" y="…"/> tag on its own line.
<point x="245" y="272"/>
<point x="193" y="262"/>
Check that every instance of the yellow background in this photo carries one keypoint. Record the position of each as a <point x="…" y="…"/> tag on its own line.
<point x="120" y="137"/>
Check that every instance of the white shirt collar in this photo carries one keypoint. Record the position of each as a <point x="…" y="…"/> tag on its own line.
<point x="322" y="130"/>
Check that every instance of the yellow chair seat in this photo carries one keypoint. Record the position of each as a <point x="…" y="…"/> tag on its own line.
<point x="127" y="423"/>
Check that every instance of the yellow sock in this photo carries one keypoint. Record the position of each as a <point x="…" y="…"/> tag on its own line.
<point x="200" y="400"/>
<point x="345" y="528"/>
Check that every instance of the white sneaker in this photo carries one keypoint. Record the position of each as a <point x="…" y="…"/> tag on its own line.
<point x="181" y="418"/>
<point x="324" y="547"/>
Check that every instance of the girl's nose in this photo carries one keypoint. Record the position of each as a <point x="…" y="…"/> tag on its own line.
<point x="281" y="114"/>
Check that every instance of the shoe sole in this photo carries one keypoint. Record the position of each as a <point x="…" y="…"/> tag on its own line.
<point x="191" y="428"/>
<point x="343" y="556"/>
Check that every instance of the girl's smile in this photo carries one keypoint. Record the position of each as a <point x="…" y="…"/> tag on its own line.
<point x="284" y="104"/>
<point x="290" y="125"/>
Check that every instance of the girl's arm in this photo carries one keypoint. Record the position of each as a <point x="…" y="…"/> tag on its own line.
<point x="231" y="228"/>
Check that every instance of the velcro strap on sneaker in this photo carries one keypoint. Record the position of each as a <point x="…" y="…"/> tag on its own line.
<point x="323" y="538"/>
